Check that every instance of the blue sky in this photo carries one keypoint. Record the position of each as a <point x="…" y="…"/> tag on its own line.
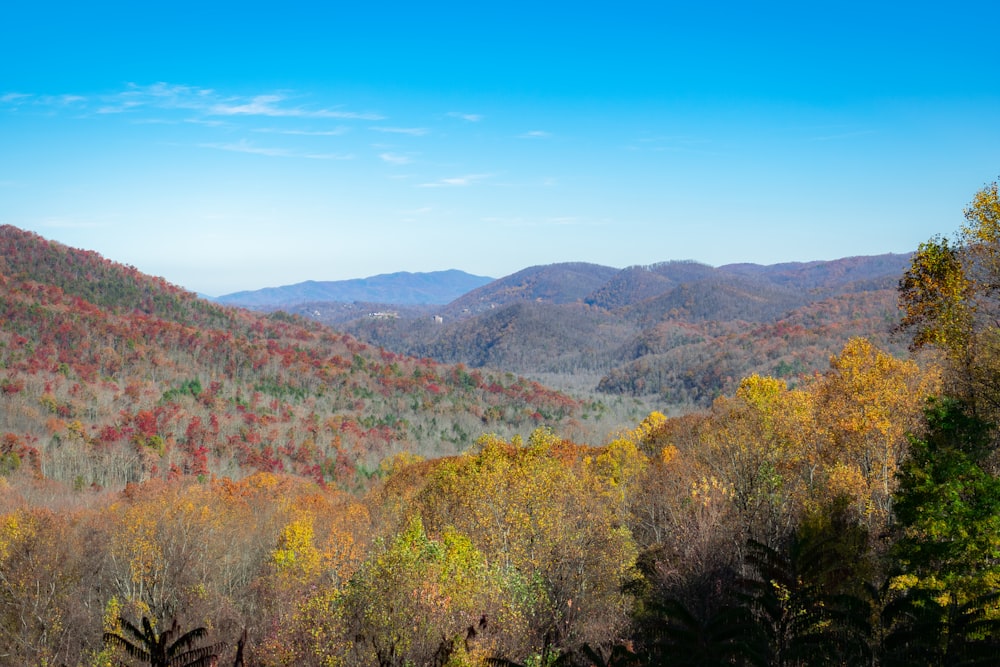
<point x="229" y="146"/>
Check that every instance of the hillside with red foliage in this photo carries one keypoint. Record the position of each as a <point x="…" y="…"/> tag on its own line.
<point x="109" y="376"/>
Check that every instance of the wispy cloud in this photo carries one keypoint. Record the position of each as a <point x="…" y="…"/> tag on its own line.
<point x="9" y="98"/>
<point x="272" y="106"/>
<point x="19" y="99"/>
<point x="395" y="158"/>
<point x="244" y="146"/>
<point x="412" y="131"/>
<point x="261" y="105"/>
<point x="327" y="156"/>
<point x="206" y="122"/>
<point x="157" y="96"/>
<point x="456" y="181"/>
<point x="842" y="135"/>
<point x="60" y="100"/>
<point x="672" y="144"/>
<point x="154" y="121"/>
<point x="337" y="131"/>
<point x="203" y="102"/>
<point x="563" y="220"/>
<point x="470" y="117"/>
<point x="535" y="134"/>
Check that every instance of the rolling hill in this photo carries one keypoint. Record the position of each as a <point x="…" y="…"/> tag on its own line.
<point x="552" y="284"/>
<point x="682" y="331"/>
<point x="109" y="376"/>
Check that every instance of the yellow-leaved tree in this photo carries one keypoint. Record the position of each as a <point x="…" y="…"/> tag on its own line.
<point x="536" y="513"/>
<point x="950" y="298"/>
<point x="865" y="406"/>
<point x="38" y="582"/>
<point x="756" y="445"/>
<point x="420" y="600"/>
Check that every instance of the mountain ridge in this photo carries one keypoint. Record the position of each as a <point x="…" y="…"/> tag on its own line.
<point x="109" y="376"/>
<point x="401" y="288"/>
<point x="682" y="331"/>
<point x="460" y="293"/>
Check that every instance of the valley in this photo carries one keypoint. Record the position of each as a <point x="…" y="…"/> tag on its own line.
<point x="674" y="334"/>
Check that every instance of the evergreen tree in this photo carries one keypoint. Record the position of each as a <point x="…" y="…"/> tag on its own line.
<point x="944" y="593"/>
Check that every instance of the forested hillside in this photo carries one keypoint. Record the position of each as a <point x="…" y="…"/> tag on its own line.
<point x="110" y="376"/>
<point x="680" y="331"/>
<point x="230" y="517"/>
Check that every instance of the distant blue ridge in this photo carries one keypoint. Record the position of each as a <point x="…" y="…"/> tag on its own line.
<point x="402" y="288"/>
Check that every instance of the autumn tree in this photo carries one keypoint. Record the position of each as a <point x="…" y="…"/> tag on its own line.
<point x="619" y="469"/>
<point x="936" y="296"/>
<point x="39" y="583"/>
<point x="316" y="555"/>
<point x="419" y="600"/>
<point x="754" y="446"/>
<point x="950" y="298"/>
<point x="537" y="515"/>
<point x="864" y="408"/>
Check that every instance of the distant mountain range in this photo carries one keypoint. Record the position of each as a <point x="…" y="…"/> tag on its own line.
<point x="681" y="330"/>
<point x="403" y="288"/>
